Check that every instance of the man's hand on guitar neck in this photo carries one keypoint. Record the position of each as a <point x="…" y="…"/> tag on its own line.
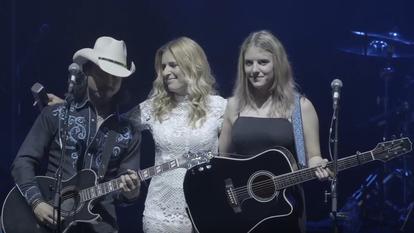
<point x="44" y="213"/>
<point x="130" y="184"/>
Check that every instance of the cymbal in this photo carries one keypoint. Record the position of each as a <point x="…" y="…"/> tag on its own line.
<point x="378" y="51"/>
<point x="387" y="45"/>
<point x="392" y="36"/>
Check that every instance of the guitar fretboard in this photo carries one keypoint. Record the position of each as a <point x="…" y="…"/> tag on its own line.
<point x="300" y="176"/>
<point x="156" y="170"/>
<point x="100" y="189"/>
<point x="113" y="185"/>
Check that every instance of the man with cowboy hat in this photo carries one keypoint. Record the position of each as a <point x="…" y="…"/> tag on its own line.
<point x="98" y="138"/>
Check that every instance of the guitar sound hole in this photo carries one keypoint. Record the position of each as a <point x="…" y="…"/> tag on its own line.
<point x="262" y="187"/>
<point x="70" y="203"/>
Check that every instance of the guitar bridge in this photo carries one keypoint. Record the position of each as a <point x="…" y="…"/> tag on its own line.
<point x="231" y="197"/>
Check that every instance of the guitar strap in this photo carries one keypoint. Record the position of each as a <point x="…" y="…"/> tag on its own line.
<point x="106" y="154"/>
<point x="298" y="133"/>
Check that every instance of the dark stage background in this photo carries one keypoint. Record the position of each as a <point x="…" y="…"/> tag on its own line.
<point x="39" y="38"/>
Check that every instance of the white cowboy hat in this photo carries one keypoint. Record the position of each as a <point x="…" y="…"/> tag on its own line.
<point x="109" y="54"/>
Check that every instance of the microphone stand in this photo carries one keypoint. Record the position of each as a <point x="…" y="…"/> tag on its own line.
<point x="57" y="201"/>
<point x="335" y="215"/>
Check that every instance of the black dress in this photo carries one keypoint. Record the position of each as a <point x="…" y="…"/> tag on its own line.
<point x="252" y="135"/>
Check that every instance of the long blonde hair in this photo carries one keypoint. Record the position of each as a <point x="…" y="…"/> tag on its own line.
<point x="283" y="88"/>
<point x="192" y="60"/>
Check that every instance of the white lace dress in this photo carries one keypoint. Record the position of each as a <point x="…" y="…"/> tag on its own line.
<point x="165" y="204"/>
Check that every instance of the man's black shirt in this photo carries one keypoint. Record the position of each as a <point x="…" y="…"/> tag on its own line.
<point x="84" y="150"/>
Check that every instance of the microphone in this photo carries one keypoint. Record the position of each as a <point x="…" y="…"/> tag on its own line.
<point x="40" y="96"/>
<point x="75" y="77"/>
<point x="336" y="85"/>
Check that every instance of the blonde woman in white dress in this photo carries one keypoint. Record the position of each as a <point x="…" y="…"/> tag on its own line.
<point x="183" y="115"/>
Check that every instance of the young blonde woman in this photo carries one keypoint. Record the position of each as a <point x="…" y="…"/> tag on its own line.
<point x="183" y="115"/>
<point x="260" y="114"/>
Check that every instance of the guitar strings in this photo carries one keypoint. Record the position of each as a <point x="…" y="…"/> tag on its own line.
<point x="274" y="181"/>
<point x="259" y="186"/>
<point x="73" y="194"/>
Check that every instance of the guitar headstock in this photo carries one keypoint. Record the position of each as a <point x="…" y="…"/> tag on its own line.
<point x="192" y="159"/>
<point x="388" y="150"/>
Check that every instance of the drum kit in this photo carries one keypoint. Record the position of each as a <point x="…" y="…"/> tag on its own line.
<point x="386" y="199"/>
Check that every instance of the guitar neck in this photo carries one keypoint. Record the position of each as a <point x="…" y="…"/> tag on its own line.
<point x="100" y="189"/>
<point x="303" y="175"/>
<point x="150" y="172"/>
<point x="115" y="184"/>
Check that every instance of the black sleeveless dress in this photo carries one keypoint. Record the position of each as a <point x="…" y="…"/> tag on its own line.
<point x="252" y="135"/>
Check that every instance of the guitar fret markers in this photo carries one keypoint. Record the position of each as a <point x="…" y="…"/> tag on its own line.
<point x="152" y="171"/>
<point x="107" y="187"/>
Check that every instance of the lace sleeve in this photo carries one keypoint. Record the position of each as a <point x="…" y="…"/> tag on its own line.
<point x="140" y="115"/>
<point x="146" y="114"/>
<point x="218" y="106"/>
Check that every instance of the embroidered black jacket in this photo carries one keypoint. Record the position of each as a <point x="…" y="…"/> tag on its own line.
<point x="84" y="148"/>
